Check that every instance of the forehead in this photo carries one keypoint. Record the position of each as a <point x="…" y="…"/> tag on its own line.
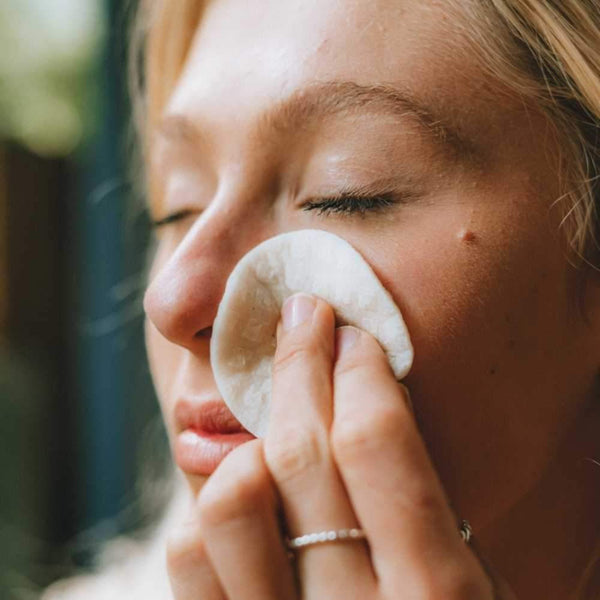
<point x="268" y="49"/>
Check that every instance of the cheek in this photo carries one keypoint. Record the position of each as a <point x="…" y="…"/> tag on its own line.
<point x="480" y="307"/>
<point x="446" y="292"/>
<point x="492" y="325"/>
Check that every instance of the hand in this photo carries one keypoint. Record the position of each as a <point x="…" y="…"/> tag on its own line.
<point x="342" y="450"/>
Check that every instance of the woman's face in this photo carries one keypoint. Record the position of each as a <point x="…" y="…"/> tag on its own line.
<point x="283" y="104"/>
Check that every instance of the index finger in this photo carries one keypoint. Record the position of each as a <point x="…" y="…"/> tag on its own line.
<point x="392" y="484"/>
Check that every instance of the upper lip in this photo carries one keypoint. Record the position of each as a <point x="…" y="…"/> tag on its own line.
<point x="210" y="416"/>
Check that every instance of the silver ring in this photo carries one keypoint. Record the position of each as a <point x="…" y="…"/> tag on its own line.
<point x="344" y="535"/>
<point x="325" y="537"/>
<point x="466" y="531"/>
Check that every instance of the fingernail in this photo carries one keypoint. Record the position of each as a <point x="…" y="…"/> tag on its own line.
<point x="296" y="310"/>
<point x="347" y="337"/>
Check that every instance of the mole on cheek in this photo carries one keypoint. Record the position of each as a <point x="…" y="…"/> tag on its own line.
<point x="467" y="236"/>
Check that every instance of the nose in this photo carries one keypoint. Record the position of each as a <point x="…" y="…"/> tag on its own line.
<point x="183" y="297"/>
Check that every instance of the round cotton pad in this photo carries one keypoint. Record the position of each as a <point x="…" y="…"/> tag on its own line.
<point x="312" y="261"/>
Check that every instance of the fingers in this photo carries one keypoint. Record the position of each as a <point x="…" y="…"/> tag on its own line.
<point x="391" y="482"/>
<point x="342" y="450"/>
<point x="191" y="574"/>
<point x="237" y="510"/>
<point x="298" y="454"/>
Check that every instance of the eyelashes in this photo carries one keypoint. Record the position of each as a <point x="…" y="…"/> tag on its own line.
<point x="172" y="218"/>
<point x="351" y="204"/>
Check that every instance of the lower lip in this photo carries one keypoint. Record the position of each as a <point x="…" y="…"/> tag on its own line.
<point x="200" y="453"/>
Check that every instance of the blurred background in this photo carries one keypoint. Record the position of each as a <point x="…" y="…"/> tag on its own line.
<point x="78" y="418"/>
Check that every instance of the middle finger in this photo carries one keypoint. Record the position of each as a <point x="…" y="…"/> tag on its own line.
<point x="298" y="455"/>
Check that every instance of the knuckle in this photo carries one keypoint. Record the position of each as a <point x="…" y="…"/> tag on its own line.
<point x="294" y="452"/>
<point x="424" y="502"/>
<point x="359" y="436"/>
<point x="184" y="551"/>
<point x="351" y="364"/>
<point x="291" y="354"/>
<point x="237" y="495"/>
<point x="366" y="353"/>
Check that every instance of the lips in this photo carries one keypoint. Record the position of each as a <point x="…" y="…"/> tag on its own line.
<point x="206" y="433"/>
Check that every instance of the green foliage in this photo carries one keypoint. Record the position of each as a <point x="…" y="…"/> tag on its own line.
<point x="48" y="52"/>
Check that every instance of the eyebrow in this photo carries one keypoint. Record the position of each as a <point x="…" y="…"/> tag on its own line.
<point x="324" y="99"/>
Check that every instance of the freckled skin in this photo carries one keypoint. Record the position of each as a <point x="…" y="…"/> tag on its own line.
<point x="503" y="382"/>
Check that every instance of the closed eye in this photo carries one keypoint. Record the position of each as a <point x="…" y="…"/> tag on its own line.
<point x="172" y="218"/>
<point x="352" y="204"/>
<point x="341" y="204"/>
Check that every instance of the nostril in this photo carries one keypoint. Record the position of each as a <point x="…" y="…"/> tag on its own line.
<point x="204" y="333"/>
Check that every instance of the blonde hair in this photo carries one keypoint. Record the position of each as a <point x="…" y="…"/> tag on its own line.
<point x="548" y="52"/>
<point x="160" y="38"/>
<point x="545" y="51"/>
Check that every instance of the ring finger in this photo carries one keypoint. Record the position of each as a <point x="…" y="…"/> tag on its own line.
<point x="298" y="455"/>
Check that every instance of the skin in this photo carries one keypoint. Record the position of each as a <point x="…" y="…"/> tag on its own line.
<point x="504" y="384"/>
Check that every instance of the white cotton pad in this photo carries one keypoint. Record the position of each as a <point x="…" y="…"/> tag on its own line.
<point x="312" y="261"/>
